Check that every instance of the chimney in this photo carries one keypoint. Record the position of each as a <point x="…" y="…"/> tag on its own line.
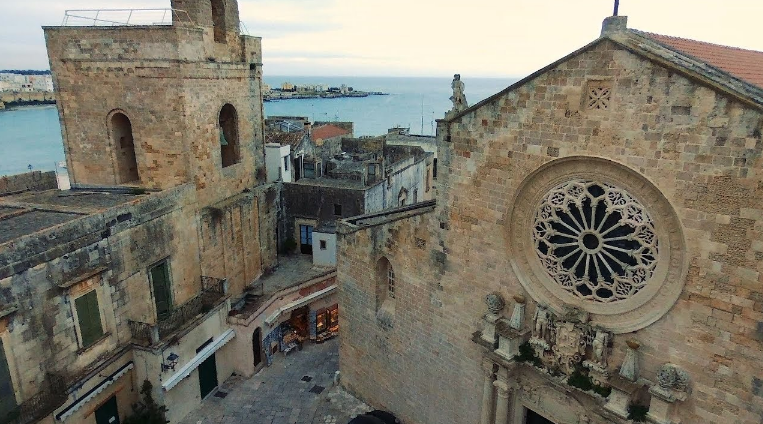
<point x="308" y="128"/>
<point x="613" y="25"/>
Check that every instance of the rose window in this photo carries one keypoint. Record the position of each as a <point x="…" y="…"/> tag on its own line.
<point x="595" y="240"/>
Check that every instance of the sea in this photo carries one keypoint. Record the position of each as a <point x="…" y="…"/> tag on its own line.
<point x="30" y="137"/>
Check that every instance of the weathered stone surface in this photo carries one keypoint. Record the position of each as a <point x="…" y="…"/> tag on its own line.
<point x="698" y="144"/>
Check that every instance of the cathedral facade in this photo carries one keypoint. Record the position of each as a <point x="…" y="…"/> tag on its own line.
<point x="593" y="255"/>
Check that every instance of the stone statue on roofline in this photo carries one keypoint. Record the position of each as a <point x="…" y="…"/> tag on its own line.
<point x="458" y="98"/>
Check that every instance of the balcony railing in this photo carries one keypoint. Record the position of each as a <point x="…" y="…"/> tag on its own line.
<point x="213" y="289"/>
<point x="40" y="405"/>
<point x="124" y="17"/>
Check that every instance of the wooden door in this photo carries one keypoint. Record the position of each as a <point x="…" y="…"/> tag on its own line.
<point x="257" y="346"/>
<point x="108" y="413"/>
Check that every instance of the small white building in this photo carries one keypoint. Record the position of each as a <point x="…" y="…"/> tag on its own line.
<point x="278" y="162"/>
<point x="324" y="247"/>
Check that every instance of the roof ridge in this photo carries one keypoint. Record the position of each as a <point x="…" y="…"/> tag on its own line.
<point x="647" y="33"/>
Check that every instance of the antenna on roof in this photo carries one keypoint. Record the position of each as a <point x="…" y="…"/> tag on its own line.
<point x="617" y="6"/>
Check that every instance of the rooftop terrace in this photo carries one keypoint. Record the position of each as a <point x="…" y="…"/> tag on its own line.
<point x="32" y="211"/>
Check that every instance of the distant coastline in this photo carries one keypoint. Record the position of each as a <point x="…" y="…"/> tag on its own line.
<point x="289" y="91"/>
<point x="275" y="96"/>
<point x="14" y="99"/>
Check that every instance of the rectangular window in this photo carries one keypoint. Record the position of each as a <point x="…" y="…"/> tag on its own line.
<point x="371" y="171"/>
<point x="160" y="282"/>
<point x="89" y="318"/>
<point x="323" y="244"/>
<point x="337" y="209"/>
<point x="286" y="163"/>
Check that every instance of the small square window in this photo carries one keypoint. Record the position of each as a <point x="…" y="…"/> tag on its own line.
<point x="323" y="244"/>
<point x="337" y="209"/>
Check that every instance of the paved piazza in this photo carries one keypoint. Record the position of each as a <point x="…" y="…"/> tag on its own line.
<point x="280" y="394"/>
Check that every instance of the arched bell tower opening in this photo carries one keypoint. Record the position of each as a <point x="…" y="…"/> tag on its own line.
<point x="229" y="144"/>
<point x="124" y="145"/>
<point x="218" y="20"/>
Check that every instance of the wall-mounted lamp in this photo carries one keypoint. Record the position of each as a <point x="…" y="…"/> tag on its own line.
<point x="172" y="360"/>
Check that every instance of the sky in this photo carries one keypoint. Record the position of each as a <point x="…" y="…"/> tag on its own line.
<point x="478" y="38"/>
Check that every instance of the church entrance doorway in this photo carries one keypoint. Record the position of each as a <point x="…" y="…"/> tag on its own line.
<point x="535" y="418"/>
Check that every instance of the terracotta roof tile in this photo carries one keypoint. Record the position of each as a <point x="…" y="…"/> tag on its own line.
<point x="327" y="131"/>
<point x="284" y="138"/>
<point x="744" y="64"/>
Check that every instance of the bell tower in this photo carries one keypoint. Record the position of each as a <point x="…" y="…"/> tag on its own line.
<point x="162" y="104"/>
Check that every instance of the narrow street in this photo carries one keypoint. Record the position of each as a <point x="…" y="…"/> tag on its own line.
<point x="296" y="389"/>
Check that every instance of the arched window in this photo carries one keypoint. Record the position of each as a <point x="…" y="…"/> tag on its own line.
<point x="385" y="288"/>
<point x="228" y="127"/>
<point x="124" y="145"/>
<point x="218" y="20"/>
<point x="402" y="197"/>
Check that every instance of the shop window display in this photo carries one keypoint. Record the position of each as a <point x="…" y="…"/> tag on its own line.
<point x="327" y="323"/>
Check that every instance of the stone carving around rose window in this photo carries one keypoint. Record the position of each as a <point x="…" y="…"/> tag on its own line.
<point x="595" y="240"/>
<point x="589" y="232"/>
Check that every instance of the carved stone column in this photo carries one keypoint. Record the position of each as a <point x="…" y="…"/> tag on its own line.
<point x="488" y="399"/>
<point x="502" y="402"/>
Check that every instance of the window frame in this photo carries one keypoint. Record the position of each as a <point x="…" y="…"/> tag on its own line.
<point x="170" y="293"/>
<point x="78" y="320"/>
<point x="390" y="280"/>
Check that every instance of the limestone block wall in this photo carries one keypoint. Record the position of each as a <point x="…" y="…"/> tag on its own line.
<point x="699" y="147"/>
<point x="418" y="368"/>
<point x="43" y="273"/>
<point x="172" y="87"/>
<point x="238" y="238"/>
<point x="35" y="180"/>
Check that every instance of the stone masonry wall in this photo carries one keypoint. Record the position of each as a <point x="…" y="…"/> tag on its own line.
<point x="35" y="180"/>
<point x="171" y="86"/>
<point x="700" y="148"/>
<point x="108" y="252"/>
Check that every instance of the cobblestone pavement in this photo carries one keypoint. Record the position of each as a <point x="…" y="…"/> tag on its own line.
<point x="296" y="389"/>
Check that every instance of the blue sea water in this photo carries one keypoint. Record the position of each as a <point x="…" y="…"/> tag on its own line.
<point x="32" y="135"/>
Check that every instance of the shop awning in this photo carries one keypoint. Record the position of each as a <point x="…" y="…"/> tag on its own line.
<point x="298" y="303"/>
<point x="95" y="391"/>
<point x="200" y="357"/>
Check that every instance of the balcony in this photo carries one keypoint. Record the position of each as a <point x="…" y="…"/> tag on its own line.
<point x="213" y="292"/>
<point x="40" y="405"/>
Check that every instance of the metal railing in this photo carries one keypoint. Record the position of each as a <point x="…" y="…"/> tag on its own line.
<point x="124" y="17"/>
<point x="41" y="404"/>
<point x="213" y="289"/>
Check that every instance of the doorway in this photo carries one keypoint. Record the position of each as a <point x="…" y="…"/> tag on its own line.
<point x="257" y="346"/>
<point x="207" y="372"/>
<point x="108" y="413"/>
<point x="7" y="396"/>
<point x="535" y="418"/>
<point x="306" y="239"/>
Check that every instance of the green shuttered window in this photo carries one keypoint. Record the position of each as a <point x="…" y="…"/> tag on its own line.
<point x="89" y="317"/>
<point x="160" y="279"/>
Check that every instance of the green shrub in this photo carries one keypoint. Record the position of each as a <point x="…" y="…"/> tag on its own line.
<point x="527" y="354"/>
<point x="580" y="380"/>
<point x="584" y="382"/>
<point x="149" y="412"/>
<point x="637" y="413"/>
